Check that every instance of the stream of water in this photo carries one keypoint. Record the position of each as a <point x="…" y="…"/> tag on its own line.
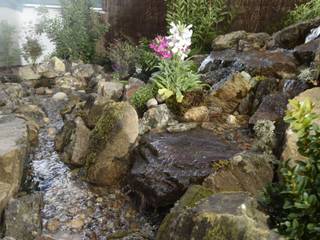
<point x="72" y="208"/>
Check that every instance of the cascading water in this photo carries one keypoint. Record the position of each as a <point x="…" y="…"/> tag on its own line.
<point x="315" y="33"/>
<point x="72" y="208"/>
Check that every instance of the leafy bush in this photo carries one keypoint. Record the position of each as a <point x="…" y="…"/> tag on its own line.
<point x="123" y="56"/>
<point x="32" y="50"/>
<point x="9" y="49"/>
<point x="303" y="12"/>
<point x="141" y="97"/>
<point x="204" y="15"/>
<point x="175" y="78"/>
<point x="76" y="32"/>
<point x="294" y="203"/>
<point x="147" y="60"/>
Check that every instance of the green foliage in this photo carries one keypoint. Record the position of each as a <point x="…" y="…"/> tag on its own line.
<point x="303" y="12"/>
<point x="294" y="203"/>
<point x="141" y="97"/>
<point x="32" y="50"/>
<point x="9" y="49"/>
<point x="123" y="56"/>
<point x="147" y="60"/>
<point x="204" y="15"/>
<point x="77" y="32"/>
<point x="175" y="78"/>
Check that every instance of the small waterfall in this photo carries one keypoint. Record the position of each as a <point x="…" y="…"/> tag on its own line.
<point x="315" y="33"/>
<point x="205" y="62"/>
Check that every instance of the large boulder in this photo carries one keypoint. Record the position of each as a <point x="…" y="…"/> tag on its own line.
<point x="166" y="164"/>
<point x="267" y="63"/>
<point x="228" y="93"/>
<point x="241" y="40"/>
<point x="23" y="217"/>
<point x="294" y="35"/>
<point x="290" y="150"/>
<point x="247" y="172"/>
<point x="111" y="90"/>
<point x="222" y="216"/>
<point x="72" y="142"/>
<point x="13" y="151"/>
<point x="69" y="82"/>
<point x="115" y="132"/>
<point x="52" y="69"/>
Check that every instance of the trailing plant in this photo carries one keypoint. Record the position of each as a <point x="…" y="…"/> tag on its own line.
<point x="141" y="97"/>
<point x="203" y="15"/>
<point x="303" y="12"/>
<point x="294" y="203"/>
<point x="77" y="32"/>
<point x="32" y="50"/>
<point x="9" y="49"/>
<point x="175" y="78"/>
<point x="123" y="56"/>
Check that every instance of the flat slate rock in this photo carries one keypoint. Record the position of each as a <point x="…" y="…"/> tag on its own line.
<point x="165" y="164"/>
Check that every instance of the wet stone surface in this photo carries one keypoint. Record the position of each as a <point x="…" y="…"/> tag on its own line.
<point x="72" y="208"/>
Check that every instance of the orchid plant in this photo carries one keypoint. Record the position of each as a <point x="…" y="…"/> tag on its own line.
<point x="176" y="75"/>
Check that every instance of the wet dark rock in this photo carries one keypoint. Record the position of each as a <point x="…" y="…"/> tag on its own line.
<point x="294" y="35"/>
<point x="23" y="217"/>
<point x="263" y="88"/>
<point x="266" y="63"/>
<point x="272" y="108"/>
<point x="224" y="216"/>
<point x="305" y="53"/>
<point x="166" y="164"/>
<point x="292" y="88"/>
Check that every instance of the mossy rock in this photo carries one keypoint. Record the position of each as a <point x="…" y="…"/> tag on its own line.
<point x="114" y="134"/>
<point x="222" y="216"/>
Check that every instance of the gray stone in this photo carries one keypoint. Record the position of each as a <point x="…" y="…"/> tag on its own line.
<point x="28" y="73"/>
<point x="60" y="96"/>
<point x="13" y="151"/>
<point x="110" y="90"/>
<point x="23" y="217"/>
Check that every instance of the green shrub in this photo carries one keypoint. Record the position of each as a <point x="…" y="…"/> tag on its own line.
<point x="175" y="78"/>
<point x="204" y="15"/>
<point x="303" y="12"/>
<point x="76" y="33"/>
<point x="141" y="97"/>
<point x="32" y="50"/>
<point x="9" y="49"/>
<point x="123" y="56"/>
<point x="294" y="203"/>
<point x="147" y="60"/>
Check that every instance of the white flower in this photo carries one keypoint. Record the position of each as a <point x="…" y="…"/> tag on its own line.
<point x="180" y="39"/>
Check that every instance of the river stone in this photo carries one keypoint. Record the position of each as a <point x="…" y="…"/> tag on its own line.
<point x="23" y="217"/>
<point x="60" y="96"/>
<point x="295" y="34"/>
<point x="82" y="71"/>
<point x="165" y="164"/>
<point x="110" y="90"/>
<point x="28" y="73"/>
<point x="241" y="40"/>
<point x="52" y="68"/>
<point x="156" y="118"/>
<point x="13" y="151"/>
<point x="271" y="108"/>
<point x="70" y="82"/>
<point x="31" y="112"/>
<point x="222" y="216"/>
<point x="290" y="150"/>
<point x="247" y="172"/>
<point x="305" y="53"/>
<point x="228" y="93"/>
<point x="72" y="142"/>
<point x="197" y="114"/>
<point x="110" y="142"/>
